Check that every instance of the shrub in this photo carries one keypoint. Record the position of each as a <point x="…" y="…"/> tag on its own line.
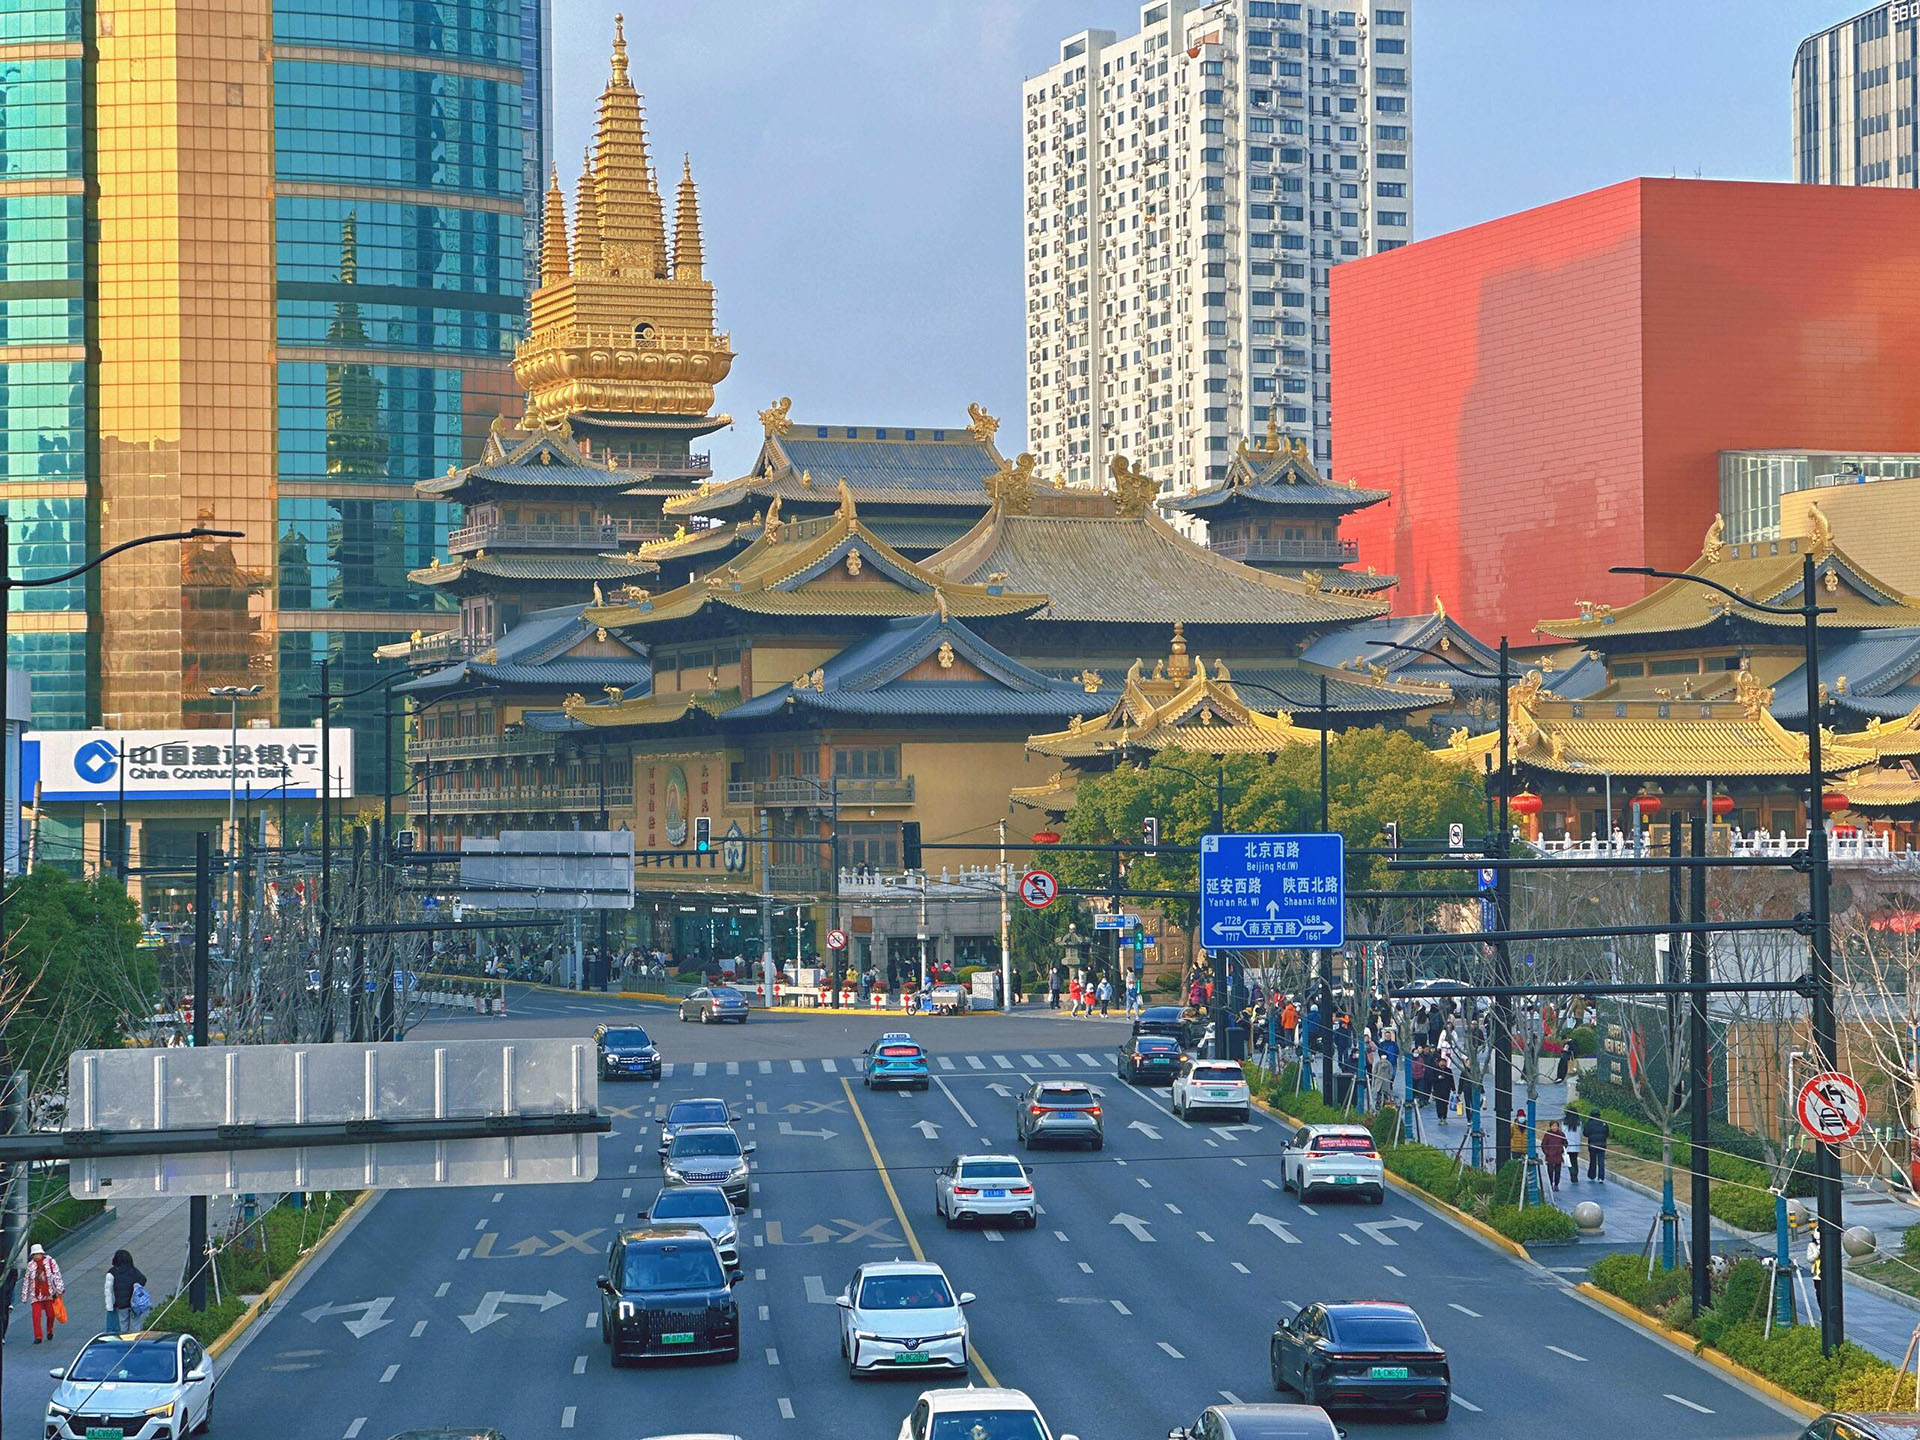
<point x="1585" y="1041"/>
<point x="1535" y="1222"/>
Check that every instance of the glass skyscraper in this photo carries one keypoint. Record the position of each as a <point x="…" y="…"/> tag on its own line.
<point x="293" y="235"/>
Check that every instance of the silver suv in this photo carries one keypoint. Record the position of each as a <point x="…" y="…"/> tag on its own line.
<point x="1063" y="1111"/>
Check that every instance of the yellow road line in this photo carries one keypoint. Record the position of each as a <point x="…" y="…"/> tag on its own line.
<point x="900" y="1214"/>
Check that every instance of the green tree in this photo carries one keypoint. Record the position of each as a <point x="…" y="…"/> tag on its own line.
<point x="75" y="977"/>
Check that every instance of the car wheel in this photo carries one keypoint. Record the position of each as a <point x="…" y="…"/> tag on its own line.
<point x="1027" y="1141"/>
<point x="1273" y="1367"/>
<point x="1379" y="1197"/>
<point x="1100" y="1143"/>
<point x="1436" y="1412"/>
<point x="1246" y="1117"/>
<point x="953" y="1221"/>
<point x="206" y="1418"/>
<point x="706" y="1015"/>
<point x="926" y="1085"/>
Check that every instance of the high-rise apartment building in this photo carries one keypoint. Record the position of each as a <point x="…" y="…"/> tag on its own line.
<point x="1856" y="100"/>
<point x="262" y="266"/>
<point x="1188" y="190"/>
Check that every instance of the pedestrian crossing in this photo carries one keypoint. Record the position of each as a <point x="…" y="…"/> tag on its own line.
<point x="958" y="1065"/>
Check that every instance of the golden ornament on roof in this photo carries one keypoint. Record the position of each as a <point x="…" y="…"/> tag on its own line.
<point x="1831" y="580"/>
<point x="945" y="655"/>
<point x="818" y="680"/>
<point x="1819" y="533"/>
<point x="1714" y="548"/>
<point x="1090" y="681"/>
<point x="1272" y="446"/>
<point x="1133" y="490"/>
<point x="598" y="598"/>
<point x="600" y="634"/>
<point x="853" y="562"/>
<point x="573" y="705"/>
<point x="612" y="692"/>
<point x="1011" y="486"/>
<point x="1439" y="607"/>
<point x="980" y="424"/>
<point x="774" y="419"/>
<point x="771" y="525"/>
<point x="846" y="510"/>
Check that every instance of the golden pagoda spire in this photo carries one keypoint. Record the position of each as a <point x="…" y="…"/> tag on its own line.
<point x="586" y="223"/>
<point x="688" y="256"/>
<point x="632" y="229"/>
<point x="553" y="234"/>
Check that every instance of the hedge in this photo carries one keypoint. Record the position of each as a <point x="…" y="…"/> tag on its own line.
<point x="1424" y="1167"/>
<point x="1852" y="1378"/>
<point x="246" y="1266"/>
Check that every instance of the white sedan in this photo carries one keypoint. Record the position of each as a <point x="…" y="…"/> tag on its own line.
<point x="1218" y="1085"/>
<point x="983" y="1187"/>
<point x="1340" y="1158"/>
<point x="902" y="1315"/>
<point x="976" y="1414"/>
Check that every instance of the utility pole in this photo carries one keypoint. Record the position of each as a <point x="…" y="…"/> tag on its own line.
<point x="1502" y="922"/>
<point x="356" y="996"/>
<point x="202" y="1002"/>
<point x="1006" y="949"/>
<point x="326" y="852"/>
<point x="1699" y="1073"/>
<point x="766" y="914"/>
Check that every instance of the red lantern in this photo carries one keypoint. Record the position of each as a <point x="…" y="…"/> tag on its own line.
<point x="1525" y="803"/>
<point x="1723" y="804"/>
<point x="1646" y="804"/>
<point x="1046" y="837"/>
<point x="1833" y="803"/>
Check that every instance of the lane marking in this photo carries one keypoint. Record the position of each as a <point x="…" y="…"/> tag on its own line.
<point x="1060" y="1060"/>
<point x="733" y="1067"/>
<point x="419" y="1329"/>
<point x="1032" y="1062"/>
<point x="1348" y="1238"/>
<point x="994" y="1236"/>
<point x="817" y="1291"/>
<point x="1308" y="1209"/>
<point x="441" y="1293"/>
<point x="1465" y="1404"/>
<point x="974" y="1062"/>
<point x="773" y="1356"/>
<point x="1231" y="1398"/>
<point x="466" y="1252"/>
<point x="763" y="1313"/>
<point x="1268" y="1183"/>
<point x="766" y="1068"/>
<point x="947" y="1091"/>
<point x="566" y="1417"/>
<point x="626" y="1192"/>
<point x="481" y="1223"/>
<point x="1061" y="1236"/>
<point x="1086" y="1059"/>
<point x="1173" y="1207"/>
<point x="786" y="1408"/>
<point x="829" y="1067"/>
<point x="1568" y="1353"/>
<point x="799" y="1066"/>
<point x="945" y="1063"/>
<point x="1003" y="1062"/>
<point x="1171" y="1351"/>
<point x="1395" y="1270"/>
<point x="1456" y="1305"/>
<point x="1085" y="1269"/>
<point x="593" y="1318"/>
<point x="699" y="1069"/>
<point x="1241" y="1268"/>
<point x="579" y="1364"/>
<point x="633" y="1169"/>
<point x="354" y="1428"/>
<point x="1682" y="1400"/>
<point x="1204" y="1236"/>
<point x="498" y="1196"/>
<point x="386" y="1376"/>
<point x="900" y="1214"/>
<point x="1145" y="1184"/>
<point x="1238" y="1161"/>
<point x="1121" y="1308"/>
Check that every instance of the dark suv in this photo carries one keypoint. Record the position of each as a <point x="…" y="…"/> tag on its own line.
<point x="626" y="1050"/>
<point x="666" y="1294"/>
<point x="1172" y="1021"/>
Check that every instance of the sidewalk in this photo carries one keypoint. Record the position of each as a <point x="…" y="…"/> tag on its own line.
<point x="154" y="1232"/>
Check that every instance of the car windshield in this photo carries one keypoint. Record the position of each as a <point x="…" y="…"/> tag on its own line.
<point x="992" y="1170"/>
<point x="1150" y="1045"/>
<point x="1217" y="1074"/>
<point x="131" y="1362"/>
<point x="705" y="1142"/>
<point x="689" y="1204"/>
<point x="671" y="1267"/>
<point x="631" y="1038"/>
<point x="923" y="1291"/>
<point x="1066" y="1098"/>
<point x="728" y="993"/>
<point x="1162" y="1014"/>
<point x="987" y="1425"/>
<point x="1379" y="1332"/>
<point x="699" y="1112"/>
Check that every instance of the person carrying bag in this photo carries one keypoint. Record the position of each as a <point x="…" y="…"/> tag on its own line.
<point x="43" y="1290"/>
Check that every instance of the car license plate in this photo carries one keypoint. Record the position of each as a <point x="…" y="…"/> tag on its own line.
<point x="1217" y="1094"/>
<point x="996" y="1194"/>
<point x="1389" y="1372"/>
<point x="105" y="1432"/>
<point x="683" y="1337"/>
<point x="911" y="1357"/>
<point x="1346" y="1179"/>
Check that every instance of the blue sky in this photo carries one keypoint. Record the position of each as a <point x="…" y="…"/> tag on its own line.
<point x="859" y="160"/>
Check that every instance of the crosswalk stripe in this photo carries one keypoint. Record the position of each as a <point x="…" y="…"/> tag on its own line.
<point x="976" y="1062"/>
<point x="1003" y="1062"/>
<point x="1086" y="1059"/>
<point x="829" y="1067"/>
<point x="945" y="1063"/>
<point x="1032" y="1062"/>
<point x="1059" y="1060"/>
<point x="699" y="1068"/>
<point x="766" y="1067"/>
<point x="799" y="1066"/>
<point x="666" y="1071"/>
<point x="733" y="1067"/>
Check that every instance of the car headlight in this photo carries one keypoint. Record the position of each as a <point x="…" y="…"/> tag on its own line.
<point x="57" y="1409"/>
<point x="162" y="1411"/>
<point x="670" y="1173"/>
<point x="866" y="1335"/>
<point x="738" y="1172"/>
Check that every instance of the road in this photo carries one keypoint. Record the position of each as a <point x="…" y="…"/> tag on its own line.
<point x="1147" y="1292"/>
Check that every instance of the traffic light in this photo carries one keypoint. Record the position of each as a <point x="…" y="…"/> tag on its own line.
<point x="1150" y="834"/>
<point x="702" y="833"/>
<point x="1393" y="834"/>
<point x="910" y="845"/>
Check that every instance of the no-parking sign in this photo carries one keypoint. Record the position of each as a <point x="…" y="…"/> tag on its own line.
<point x="836" y="939"/>
<point x="1038" y="889"/>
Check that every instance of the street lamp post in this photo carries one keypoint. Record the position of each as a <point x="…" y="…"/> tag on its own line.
<point x="1819" y="914"/>
<point x="233" y="695"/>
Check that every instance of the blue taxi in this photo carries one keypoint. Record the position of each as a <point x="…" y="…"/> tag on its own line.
<point x="895" y="1059"/>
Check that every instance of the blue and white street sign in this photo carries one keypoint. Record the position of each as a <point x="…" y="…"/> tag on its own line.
<point x="1261" y="892"/>
<point x="1115" y="922"/>
<point x="405" y="980"/>
<point x="1489" y="877"/>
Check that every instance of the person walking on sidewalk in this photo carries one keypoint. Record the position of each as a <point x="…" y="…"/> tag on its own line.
<point x="122" y="1276"/>
<point x="1105" y="994"/>
<point x="41" y="1289"/>
<point x="1553" y="1146"/>
<point x="1594" y="1131"/>
<point x="1570" y="1127"/>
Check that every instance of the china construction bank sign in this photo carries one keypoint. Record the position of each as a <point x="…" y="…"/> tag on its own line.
<point x="93" y="765"/>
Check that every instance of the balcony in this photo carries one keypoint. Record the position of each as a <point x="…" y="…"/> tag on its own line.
<point x="797" y="879"/>
<point x="447" y="648"/>
<point x="477" y="747"/>
<point x="603" y="536"/>
<point x="1305" y="552"/>
<point x="801" y="791"/>
<point x="529" y="799"/>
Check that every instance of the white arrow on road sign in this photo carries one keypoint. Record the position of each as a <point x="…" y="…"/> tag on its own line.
<point x="490" y="1303"/>
<point x="1375" y="1228"/>
<point x="786" y="1129"/>
<point x="1145" y="1129"/>
<point x="373" y="1315"/>
<point x="1038" y="889"/>
<point x="1278" y="1227"/>
<point x="1133" y="1223"/>
<point x="927" y="1128"/>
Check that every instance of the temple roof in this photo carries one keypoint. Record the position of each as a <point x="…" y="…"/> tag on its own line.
<point x="1651" y="738"/>
<point x="1872" y="673"/>
<point x="1897" y="738"/>
<point x="635" y="709"/>
<point x="1055" y="794"/>
<point x="833" y="566"/>
<point x="558" y="567"/>
<point x="1768" y="571"/>
<point x="1367" y="647"/>
<point x="881" y="464"/>
<point x="549" y="460"/>
<point x="1179" y="707"/>
<point x="547" y="648"/>
<point x="1888" y="787"/>
<point x="1100" y="566"/>
<point x="1277" y="473"/>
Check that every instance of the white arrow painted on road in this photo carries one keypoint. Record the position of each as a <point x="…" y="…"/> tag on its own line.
<point x="488" y="1310"/>
<point x="823" y="1134"/>
<point x="1278" y="1227"/>
<point x="1376" y="1228"/>
<point x="1002" y="1091"/>
<point x="1133" y="1223"/>
<point x="1145" y="1129"/>
<point x="372" y="1315"/>
<point x="817" y="1291"/>
<point x="1227" y="1132"/>
<point x="927" y="1128"/>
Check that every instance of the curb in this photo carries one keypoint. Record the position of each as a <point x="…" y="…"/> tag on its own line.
<point x="1752" y="1379"/>
<point x="1884" y="1292"/>
<point x="264" y="1301"/>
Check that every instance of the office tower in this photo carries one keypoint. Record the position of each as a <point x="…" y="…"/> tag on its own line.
<point x="1856" y="100"/>
<point x="1188" y="190"/>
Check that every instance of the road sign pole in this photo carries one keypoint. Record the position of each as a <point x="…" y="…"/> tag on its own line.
<point x="1699" y="1068"/>
<point x="197" y="1205"/>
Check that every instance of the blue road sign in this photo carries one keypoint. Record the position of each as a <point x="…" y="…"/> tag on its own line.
<point x="1489" y="877"/>
<point x="1114" y="922"/>
<point x="1261" y="892"/>
<point x="405" y="980"/>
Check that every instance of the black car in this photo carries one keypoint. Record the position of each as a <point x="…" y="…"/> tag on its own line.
<point x="666" y="1294"/>
<point x="1361" y="1355"/>
<point x="1148" y="1059"/>
<point x="1260" y="1422"/>
<point x="626" y="1050"/>
<point x="1171" y="1021"/>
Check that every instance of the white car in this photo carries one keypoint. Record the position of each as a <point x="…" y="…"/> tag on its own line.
<point x="1340" y="1158"/>
<point x="706" y="1206"/>
<point x="982" y="1187"/>
<point x="1215" y="1085"/>
<point x="980" y="1414"/>
<point x="151" y="1385"/>
<point x="902" y="1315"/>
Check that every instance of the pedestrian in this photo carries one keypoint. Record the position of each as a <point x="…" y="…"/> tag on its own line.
<point x="1553" y="1146"/>
<point x="1105" y="993"/>
<point x="41" y="1289"/>
<point x="1290" y="1027"/>
<point x="1813" y="1269"/>
<point x="1055" y="985"/>
<point x="123" y="1277"/>
<point x="1133" y="999"/>
<point x="1440" y="1083"/>
<point x="1073" y="996"/>
<point x="1570" y="1127"/>
<point x="1594" y="1131"/>
<point x="1517" y="1133"/>
<point x="1420" y="1092"/>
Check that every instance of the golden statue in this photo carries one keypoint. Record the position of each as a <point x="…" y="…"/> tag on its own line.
<point x="1090" y="681"/>
<point x="846" y="511"/>
<point x="1819" y="534"/>
<point x="1312" y="578"/>
<point x="854" y="562"/>
<point x="598" y="598"/>
<point x="1133" y="490"/>
<point x="1299" y="449"/>
<point x="1714" y="548"/>
<point x="818" y="680"/>
<point x="945" y="655"/>
<point x="1754" y="697"/>
<point x="1133" y="672"/>
<point x="774" y="419"/>
<point x="1439" y="607"/>
<point x="1457" y="739"/>
<point x="612" y="692"/>
<point x="980" y="424"/>
<point x="996" y="577"/>
<point x="770" y="527"/>
<point x="573" y="705"/>
<point x="1011" y="486"/>
<point x="1272" y="447"/>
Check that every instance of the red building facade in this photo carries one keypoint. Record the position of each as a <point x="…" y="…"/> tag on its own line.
<point x="1547" y="394"/>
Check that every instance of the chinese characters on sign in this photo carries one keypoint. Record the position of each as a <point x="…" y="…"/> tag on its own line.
<point x="1272" y="891"/>
<point x="184" y="764"/>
